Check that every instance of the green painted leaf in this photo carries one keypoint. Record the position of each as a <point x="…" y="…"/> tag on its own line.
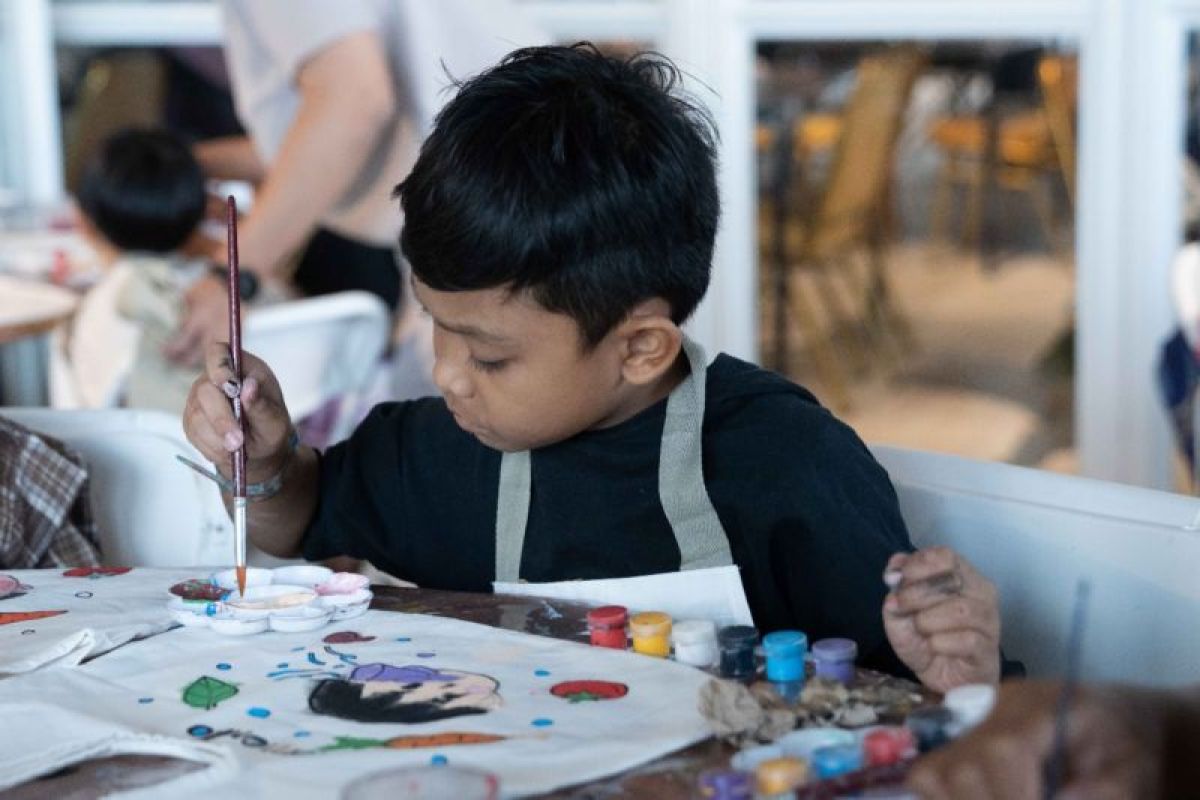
<point x="352" y="743"/>
<point x="206" y="692"/>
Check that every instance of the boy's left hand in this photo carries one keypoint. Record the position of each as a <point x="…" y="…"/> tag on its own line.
<point x="942" y="619"/>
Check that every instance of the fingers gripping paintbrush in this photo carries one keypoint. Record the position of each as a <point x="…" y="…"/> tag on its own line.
<point x="238" y="457"/>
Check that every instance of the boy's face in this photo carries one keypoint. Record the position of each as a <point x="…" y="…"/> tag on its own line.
<point x="515" y="375"/>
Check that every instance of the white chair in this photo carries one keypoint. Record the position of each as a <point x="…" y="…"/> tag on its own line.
<point x="150" y="509"/>
<point x="1036" y="533"/>
<point x="320" y="348"/>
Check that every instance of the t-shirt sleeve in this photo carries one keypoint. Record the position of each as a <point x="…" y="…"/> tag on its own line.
<point x="823" y="523"/>
<point x="357" y="503"/>
<point x="293" y="31"/>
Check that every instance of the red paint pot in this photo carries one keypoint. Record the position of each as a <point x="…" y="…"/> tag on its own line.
<point x="888" y="746"/>
<point x="607" y="626"/>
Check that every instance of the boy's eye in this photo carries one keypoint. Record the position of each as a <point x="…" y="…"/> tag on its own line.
<point x="488" y="366"/>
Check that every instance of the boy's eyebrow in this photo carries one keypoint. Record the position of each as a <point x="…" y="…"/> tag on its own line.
<point x="471" y="331"/>
<point x="462" y="330"/>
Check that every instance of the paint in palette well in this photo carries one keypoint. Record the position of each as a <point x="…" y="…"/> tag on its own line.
<point x="259" y="712"/>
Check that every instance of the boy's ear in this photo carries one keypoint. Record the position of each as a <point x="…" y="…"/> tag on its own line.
<point x="651" y="342"/>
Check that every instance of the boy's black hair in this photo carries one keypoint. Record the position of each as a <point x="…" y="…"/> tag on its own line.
<point x="143" y="191"/>
<point x="583" y="178"/>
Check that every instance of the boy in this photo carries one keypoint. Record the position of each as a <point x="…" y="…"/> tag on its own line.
<point x="140" y="200"/>
<point x="560" y="224"/>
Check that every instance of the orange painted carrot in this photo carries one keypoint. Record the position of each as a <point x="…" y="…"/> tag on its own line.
<point x="447" y="739"/>
<point x="9" y="617"/>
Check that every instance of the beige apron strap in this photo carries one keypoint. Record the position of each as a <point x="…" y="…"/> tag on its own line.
<point x="512" y="513"/>
<point x="698" y="532"/>
<point x="694" y="522"/>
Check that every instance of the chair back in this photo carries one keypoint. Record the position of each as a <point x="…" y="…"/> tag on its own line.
<point x="1058" y="76"/>
<point x="1036" y="533"/>
<point x="859" y="175"/>
<point x="320" y="348"/>
<point x="150" y="510"/>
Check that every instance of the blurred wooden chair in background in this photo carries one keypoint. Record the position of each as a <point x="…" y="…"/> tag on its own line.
<point x="119" y="90"/>
<point x="1031" y="150"/>
<point x="835" y="232"/>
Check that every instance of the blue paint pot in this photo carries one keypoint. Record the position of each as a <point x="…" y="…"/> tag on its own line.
<point x="835" y="760"/>
<point x="785" y="656"/>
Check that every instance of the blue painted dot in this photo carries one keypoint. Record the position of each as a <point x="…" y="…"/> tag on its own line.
<point x="281" y="665"/>
<point x="144" y="700"/>
<point x="542" y="722"/>
<point x="224" y="666"/>
<point x="258" y="711"/>
<point x="541" y="673"/>
<point x="403" y="638"/>
<point x="439" y="760"/>
<point x="302" y="734"/>
<point x="426" y="655"/>
<point x="297" y="649"/>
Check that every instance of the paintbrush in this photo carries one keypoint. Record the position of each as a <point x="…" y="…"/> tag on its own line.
<point x="1054" y="766"/>
<point x="238" y="457"/>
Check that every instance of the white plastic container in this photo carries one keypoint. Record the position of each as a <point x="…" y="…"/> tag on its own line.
<point x="695" y="642"/>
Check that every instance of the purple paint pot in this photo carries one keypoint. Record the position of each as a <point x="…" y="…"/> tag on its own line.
<point x="721" y="784"/>
<point x="834" y="659"/>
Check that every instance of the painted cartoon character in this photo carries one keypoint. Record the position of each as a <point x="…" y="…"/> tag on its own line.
<point x="408" y="694"/>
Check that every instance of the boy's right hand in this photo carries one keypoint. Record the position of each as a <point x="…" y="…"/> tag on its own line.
<point x="208" y="416"/>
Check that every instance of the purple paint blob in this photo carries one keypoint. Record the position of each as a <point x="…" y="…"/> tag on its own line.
<point x="406" y="674"/>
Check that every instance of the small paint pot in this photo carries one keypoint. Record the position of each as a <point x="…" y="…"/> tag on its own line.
<point x="255" y="576"/>
<point x="188" y="613"/>
<point x="780" y="777"/>
<point x="651" y="631"/>
<point x="347" y="606"/>
<point x="231" y="626"/>
<point x="298" y="620"/>
<point x="272" y="597"/>
<point x="725" y="784"/>
<point x="785" y="651"/>
<point x="302" y="575"/>
<point x="930" y="726"/>
<point x="695" y="642"/>
<point x="748" y="760"/>
<point x="806" y="741"/>
<point x="424" y="783"/>
<point x="888" y="745"/>
<point x="970" y="705"/>
<point x="835" y="760"/>
<point x="606" y="626"/>
<point x="343" y="583"/>
<point x="834" y="659"/>
<point x="736" y="643"/>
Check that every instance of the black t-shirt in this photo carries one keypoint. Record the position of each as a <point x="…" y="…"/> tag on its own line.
<point x="811" y="516"/>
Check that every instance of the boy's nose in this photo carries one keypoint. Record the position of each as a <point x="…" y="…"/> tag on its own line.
<point x="451" y="381"/>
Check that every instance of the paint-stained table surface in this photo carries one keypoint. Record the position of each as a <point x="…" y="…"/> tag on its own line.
<point x="673" y="776"/>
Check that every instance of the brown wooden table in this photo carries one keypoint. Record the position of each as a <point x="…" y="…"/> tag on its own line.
<point x="673" y="776"/>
